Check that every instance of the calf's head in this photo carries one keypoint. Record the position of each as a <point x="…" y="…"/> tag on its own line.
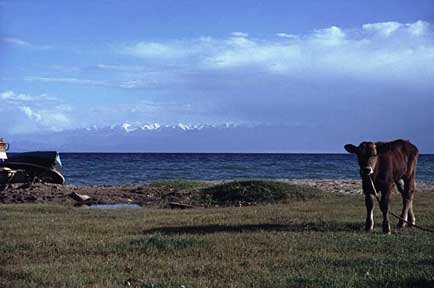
<point x="367" y="155"/>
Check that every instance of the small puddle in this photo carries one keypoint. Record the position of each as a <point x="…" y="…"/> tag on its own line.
<point x="114" y="206"/>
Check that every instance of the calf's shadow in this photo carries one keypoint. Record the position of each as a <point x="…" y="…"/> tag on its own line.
<point x="325" y="226"/>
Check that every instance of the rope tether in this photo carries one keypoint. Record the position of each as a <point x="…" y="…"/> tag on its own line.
<point x="393" y="214"/>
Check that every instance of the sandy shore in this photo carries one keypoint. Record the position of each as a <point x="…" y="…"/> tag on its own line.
<point x="350" y="186"/>
<point x="149" y="195"/>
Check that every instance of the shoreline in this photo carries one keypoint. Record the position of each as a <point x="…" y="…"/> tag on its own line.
<point x="150" y="195"/>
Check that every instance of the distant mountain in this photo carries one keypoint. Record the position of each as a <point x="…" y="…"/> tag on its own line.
<point x="153" y="137"/>
<point x="187" y="138"/>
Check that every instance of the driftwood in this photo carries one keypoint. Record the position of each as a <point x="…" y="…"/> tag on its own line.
<point x="177" y="205"/>
<point x="80" y="198"/>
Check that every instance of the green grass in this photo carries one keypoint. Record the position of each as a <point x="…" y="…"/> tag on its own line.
<point x="236" y="193"/>
<point x="164" y="243"/>
<point x="318" y="242"/>
<point x="257" y="191"/>
<point x="180" y="184"/>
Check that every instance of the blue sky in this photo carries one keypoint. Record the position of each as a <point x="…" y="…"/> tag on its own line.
<point x="354" y="69"/>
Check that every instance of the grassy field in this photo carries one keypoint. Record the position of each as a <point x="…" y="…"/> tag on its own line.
<point x="305" y="243"/>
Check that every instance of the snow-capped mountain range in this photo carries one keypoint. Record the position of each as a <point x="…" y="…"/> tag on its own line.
<point x="155" y="137"/>
<point x="137" y="126"/>
<point x="181" y="137"/>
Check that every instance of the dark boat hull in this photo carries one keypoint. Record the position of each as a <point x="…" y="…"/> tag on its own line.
<point x="35" y="166"/>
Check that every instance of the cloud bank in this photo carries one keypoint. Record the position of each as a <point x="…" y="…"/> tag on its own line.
<point x="330" y="69"/>
<point x="361" y="51"/>
<point x="373" y="81"/>
<point x="347" y="83"/>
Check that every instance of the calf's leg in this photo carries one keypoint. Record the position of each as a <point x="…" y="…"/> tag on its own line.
<point x="369" y="203"/>
<point x="410" y="186"/>
<point x="385" y="207"/>
<point x="405" y="211"/>
<point x="400" y="185"/>
<point x="411" y="218"/>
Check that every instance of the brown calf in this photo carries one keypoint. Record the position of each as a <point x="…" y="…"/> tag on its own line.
<point x="388" y="164"/>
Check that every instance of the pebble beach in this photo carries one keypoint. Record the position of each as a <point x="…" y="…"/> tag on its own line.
<point x="148" y="195"/>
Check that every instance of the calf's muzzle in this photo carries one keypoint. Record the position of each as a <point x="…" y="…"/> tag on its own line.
<point x="366" y="171"/>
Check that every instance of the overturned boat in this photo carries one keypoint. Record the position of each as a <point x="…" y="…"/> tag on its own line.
<point x="30" y="167"/>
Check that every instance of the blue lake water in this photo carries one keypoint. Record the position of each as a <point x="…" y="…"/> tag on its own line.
<point x="114" y="206"/>
<point x="106" y="168"/>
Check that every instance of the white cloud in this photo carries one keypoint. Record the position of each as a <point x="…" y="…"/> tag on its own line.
<point x="332" y="36"/>
<point x="384" y="28"/>
<point x="285" y="35"/>
<point x="30" y="113"/>
<point x="12" y="97"/>
<point x="54" y="119"/>
<point x="241" y="42"/>
<point x="387" y="29"/>
<point x="273" y="56"/>
<point x="27" y="113"/>
<point x="7" y="95"/>
<point x="17" y="42"/>
<point x="240" y="34"/>
<point x="138" y="83"/>
<point x="119" y="67"/>
<point x="387" y="48"/>
<point x="66" y="80"/>
<point x="154" y="50"/>
<point x="128" y="84"/>
<point x="64" y="69"/>
<point x="418" y="28"/>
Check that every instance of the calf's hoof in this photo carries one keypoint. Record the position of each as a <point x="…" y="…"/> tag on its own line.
<point x="411" y="222"/>
<point x="369" y="229"/>
<point x="386" y="228"/>
<point x="369" y="225"/>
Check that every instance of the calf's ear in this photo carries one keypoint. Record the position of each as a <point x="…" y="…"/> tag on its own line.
<point x="351" y="148"/>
